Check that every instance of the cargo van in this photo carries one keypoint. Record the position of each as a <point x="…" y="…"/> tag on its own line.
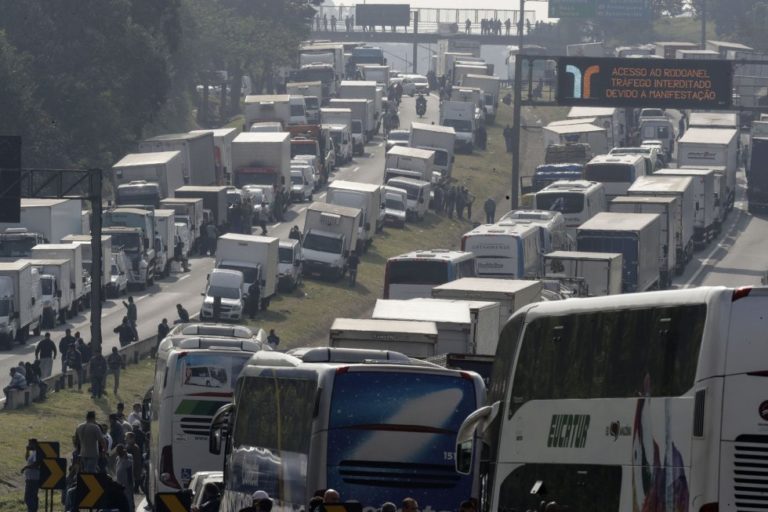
<point x="577" y="200"/>
<point x="418" y="195"/>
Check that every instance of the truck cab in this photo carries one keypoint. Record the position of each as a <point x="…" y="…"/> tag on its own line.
<point x="226" y="285"/>
<point x="342" y="141"/>
<point x="18" y="242"/>
<point x="138" y="250"/>
<point x="460" y="115"/>
<point x="417" y="194"/>
<point x="139" y="192"/>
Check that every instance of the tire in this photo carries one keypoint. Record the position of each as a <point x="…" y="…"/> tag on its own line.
<point x="36" y="330"/>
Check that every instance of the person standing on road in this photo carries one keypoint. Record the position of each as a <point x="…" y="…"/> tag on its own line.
<point x="31" y="472"/>
<point x="273" y="340"/>
<point x="64" y="343"/>
<point x="89" y="441"/>
<point x="124" y="332"/>
<point x="183" y="315"/>
<point x="133" y="315"/>
<point x="439" y="200"/>
<point x="162" y="330"/>
<point x="97" y="368"/>
<point x="75" y="363"/>
<point x="124" y="473"/>
<point x="254" y="296"/>
<point x="508" y="138"/>
<point x="353" y="262"/>
<point x="114" y="363"/>
<point x="450" y="201"/>
<point x="85" y="350"/>
<point x="211" y="235"/>
<point x="46" y="353"/>
<point x="489" y="207"/>
<point x="460" y="202"/>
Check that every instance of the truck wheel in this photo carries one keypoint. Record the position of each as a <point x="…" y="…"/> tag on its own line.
<point x="22" y="335"/>
<point x="36" y="330"/>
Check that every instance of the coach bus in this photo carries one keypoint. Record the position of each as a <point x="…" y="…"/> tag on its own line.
<point x="375" y="425"/>
<point x="650" y="401"/>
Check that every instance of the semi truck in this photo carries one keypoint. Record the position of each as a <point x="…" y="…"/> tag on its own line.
<point x="197" y="153"/>
<point x="256" y="257"/>
<point x="635" y="236"/>
<point x="146" y="178"/>
<point x="588" y="274"/>
<point x="21" y="302"/>
<point x="441" y="140"/>
<point x="329" y="237"/>
<point x="50" y="218"/>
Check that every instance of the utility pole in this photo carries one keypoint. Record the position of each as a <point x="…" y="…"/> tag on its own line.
<point x="517" y="110"/>
<point x="703" y="24"/>
<point x="415" y="40"/>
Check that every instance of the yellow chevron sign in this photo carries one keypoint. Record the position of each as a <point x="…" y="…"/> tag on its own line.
<point x="52" y="473"/>
<point x="171" y="502"/>
<point x="95" y="491"/>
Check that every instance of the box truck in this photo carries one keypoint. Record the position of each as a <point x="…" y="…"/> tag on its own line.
<point x="256" y="257"/>
<point x="146" y="178"/>
<point x="588" y="274"/>
<point x="757" y="176"/>
<point x="363" y="90"/>
<point x="362" y="110"/>
<point x="412" y="338"/>
<point x="260" y="108"/>
<point x="222" y="141"/>
<point x="72" y="252"/>
<point x="21" y="305"/>
<point x="706" y="218"/>
<point x="197" y="153"/>
<point x="460" y="116"/>
<point x="491" y="87"/>
<point x="612" y="119"/>
<point x="437" y="138"/>
<point x="712" y="148"/>
<point x="635" y="236"/>
<point x="189" y="210"/>
<point x="365" y="197"/>
<point x="409" y="162"/>
<point x="595" y="136"/>
<point x="51" y="218"/>
<point x="214" y="202"/>
<point x="57" y="296"/>
<point x="330" y="235"/>
<point x="106" y="252"/>
<point x="262" y="159"/>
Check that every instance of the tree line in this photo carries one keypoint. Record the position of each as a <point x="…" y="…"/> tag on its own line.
<point x="83" y="81"/>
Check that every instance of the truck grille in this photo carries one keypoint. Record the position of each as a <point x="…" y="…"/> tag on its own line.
<point x="397" y="474"/>
<point x="750" y="475"/>
<point x="196" y="426"/>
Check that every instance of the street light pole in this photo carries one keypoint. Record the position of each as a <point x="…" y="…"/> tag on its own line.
<point x="517" y="111"/>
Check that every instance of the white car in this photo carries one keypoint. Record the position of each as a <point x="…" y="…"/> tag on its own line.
<point x="398" y="138"/>
<point x="301" y="187"/>
<point x="118" y="281"/>
<point x="226" y="285"/>
<point x="415" y="84"/>
<point x="395" y="206"/>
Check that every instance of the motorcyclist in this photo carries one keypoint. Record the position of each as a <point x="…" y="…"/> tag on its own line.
<point x="421" y="105"/>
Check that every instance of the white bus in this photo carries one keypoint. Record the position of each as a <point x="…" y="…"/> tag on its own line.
<point x="577" y="200"/>
<point x="554" y="236"/>
<point x="414" y="274"/>
<point x="615" y="172"/>
<point x="509" y="251"/>
<point x="650" y="401"/>
<point x="372" y="424"/>
<point x="196" y="369"/>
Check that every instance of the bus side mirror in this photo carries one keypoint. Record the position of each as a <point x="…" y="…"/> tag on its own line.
<point x="219" y="429"/>
<point x="214" y="442"/>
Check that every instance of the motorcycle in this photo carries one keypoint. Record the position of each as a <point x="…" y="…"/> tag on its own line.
<point x="421" y="106"/>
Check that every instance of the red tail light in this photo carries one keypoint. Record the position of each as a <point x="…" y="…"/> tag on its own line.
<point x="342" y="370"/>
<point x="167" y="475"/>
<point x="740" y="293"/>
<point x="710" y="507"/>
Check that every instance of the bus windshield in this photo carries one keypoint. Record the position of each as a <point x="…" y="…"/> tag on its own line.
<point x="609" y="173"/>
<point x="417" y="272"/>
<point x="563" y="203"/>
<point x="396" y="427"/>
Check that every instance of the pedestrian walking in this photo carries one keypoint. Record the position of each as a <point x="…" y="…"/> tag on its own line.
<point x="75" y="363"/>
<point x="273" y="340"/>
<point x="132" y="314"/>
<point x="183" y="315"/>
<point x="450" y="201"/>
<point x="46" y="353"/>
<point x="31" y="472"/>
<point x="64" y="343"/>
<point x="507" y="132"/>
<point x="352" y="263"/>
<point x="114" y="364"/>
<point x="489" y="207"/>
<point x="252" y="302"/>
<point x="460" y="203"/>
<point x="90" y="443"/>
<point x="97" y="369"/>
<point x="125" y="332"/>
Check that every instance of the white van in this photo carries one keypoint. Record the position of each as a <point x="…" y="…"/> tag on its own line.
<point x="298" y="110"/>
<point x="226" y="284"/>
<point x="395" y="206"/>
<point x="418" y="195"/>
<point x="577" y="200"/>
<point x="509" y="251"/>
<point x="615" y="172"/>
<point x="659" y="128"/>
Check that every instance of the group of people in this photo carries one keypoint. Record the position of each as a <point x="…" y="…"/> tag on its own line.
<point x="450" y="199"/>
<point x="491" y="26"/>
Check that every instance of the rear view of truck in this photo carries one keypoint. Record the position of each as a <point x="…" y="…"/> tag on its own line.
<point x="757" y="176"/>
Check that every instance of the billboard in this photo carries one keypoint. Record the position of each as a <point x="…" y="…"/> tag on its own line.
<point x="663" y="83"/>
<point x="614" y="9"/>
<point x="398" y="15"/>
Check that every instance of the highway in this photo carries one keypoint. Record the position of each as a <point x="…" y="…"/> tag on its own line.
<point x="159" y="301"/>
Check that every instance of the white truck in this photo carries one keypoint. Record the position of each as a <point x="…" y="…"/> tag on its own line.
<point x="56" y="300"/>
<point x="441" y="140"/>
<point x="413" y="338"/>
<point x="491" y="87"/>
<point x="329" y="237"/>
<point x="331" y="54"/>
<point x="313" y="97"/>
<point x="51" y="218"/>
<point x="133" y="230"/>
<point x="366" y="90"/>
<point x="74" y="254"/>
<point x="365" y="197"/>
<point x="668" y="210"/>
<point x="612" y="119"/>
<point x="362" y="110"/>
<point x="343" y="144"/>
<point x="635" y="236"/>
<point x="256" y="257"/>
<point x="706" y="219"/>
<point x="588" y="274"/>
<point x="343" y="116"/>
<point x="510" y="294"/>
<point x="712" y="148"/>
<point x="222" y="140"/>
<point x="595" y="136"/>
<point x="189" y="210"/>
<point x="463" y="327"/>
<point x="21" y="305"/>
<point x="261" y="108"/>
<point x="460" y="116"/>
<point x="197" y="152"/>
<point x="146" y="178"/>
<point x="375" y="73"/>
<point x="409" y="162"/>
<point x="165" y="233"/>
<point x="262" y="159"/>
<point x="106" y="252"/>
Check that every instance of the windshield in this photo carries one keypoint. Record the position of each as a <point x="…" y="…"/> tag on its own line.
<point x="357" y="127"/>
<point x="562" y="202"/>
<point x="417" y="272"/>
<point x="18" y="248"/>
<point x="297" y="110"/>
<point x="250" y="274"/>
<point x="130" y="242"/>
<point x="312" y="103"/>
<point x="336" y="136"/>
<point x="320" y="243"/>
<point x="285" y="254"/>
<point x="394" y="204"/>
<point x="652" y="112"/>
<point x="297" y="180"/>
<point x="460" y="125"/>
<point x="397" y="135"/>
<point x="47" y="285"/>
<point x="115" y="271"/>
<point x="412" y="191"/>
<point x="441" y="157"/>
<point x="137" y="198"/>
<point x="5" y="307"/>
<point x="224" y="292"/>
<point x="257" y="196"/>
<point x="233" y="199"/>
<point x="303" y="149"/>
<point x="609" y="173"/>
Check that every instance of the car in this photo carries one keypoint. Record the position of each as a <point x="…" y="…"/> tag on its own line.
<point x="301" y="185"/>
<point x="262" y="198"/>
<point x="118" y="281"/>
<point x="198" y="481"/>
<point x="397" y="138"/>
<point x="415" y="84"/>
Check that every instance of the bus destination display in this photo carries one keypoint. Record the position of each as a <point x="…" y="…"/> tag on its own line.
<point x="664" y="83"/>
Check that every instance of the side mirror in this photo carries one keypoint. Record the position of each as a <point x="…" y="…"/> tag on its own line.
<point x="202" y="294"/>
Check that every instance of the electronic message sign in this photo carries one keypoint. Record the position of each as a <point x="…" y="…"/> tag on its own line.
<point x="396" y="15"/>
<point x="612" y="9"/>
<point x="663" y="83"/>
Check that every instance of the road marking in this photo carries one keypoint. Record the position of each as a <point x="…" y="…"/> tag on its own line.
<point x="355" y="169"/>
<point x="142" y="297"/>
<point x="706" y="261"/>
<point x="275" y="225"/>
<point x="321" y="196"/>
<point x="302" y="209"/>
<point x="184" y="277"/>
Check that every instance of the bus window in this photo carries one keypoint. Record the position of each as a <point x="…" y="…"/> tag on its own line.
<point x="466" y="268"/>
<point x="417" y="272"/>
<point x="609" y="173"/>
<point x="563" y="203"/>
<point x="609" y="354"/>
